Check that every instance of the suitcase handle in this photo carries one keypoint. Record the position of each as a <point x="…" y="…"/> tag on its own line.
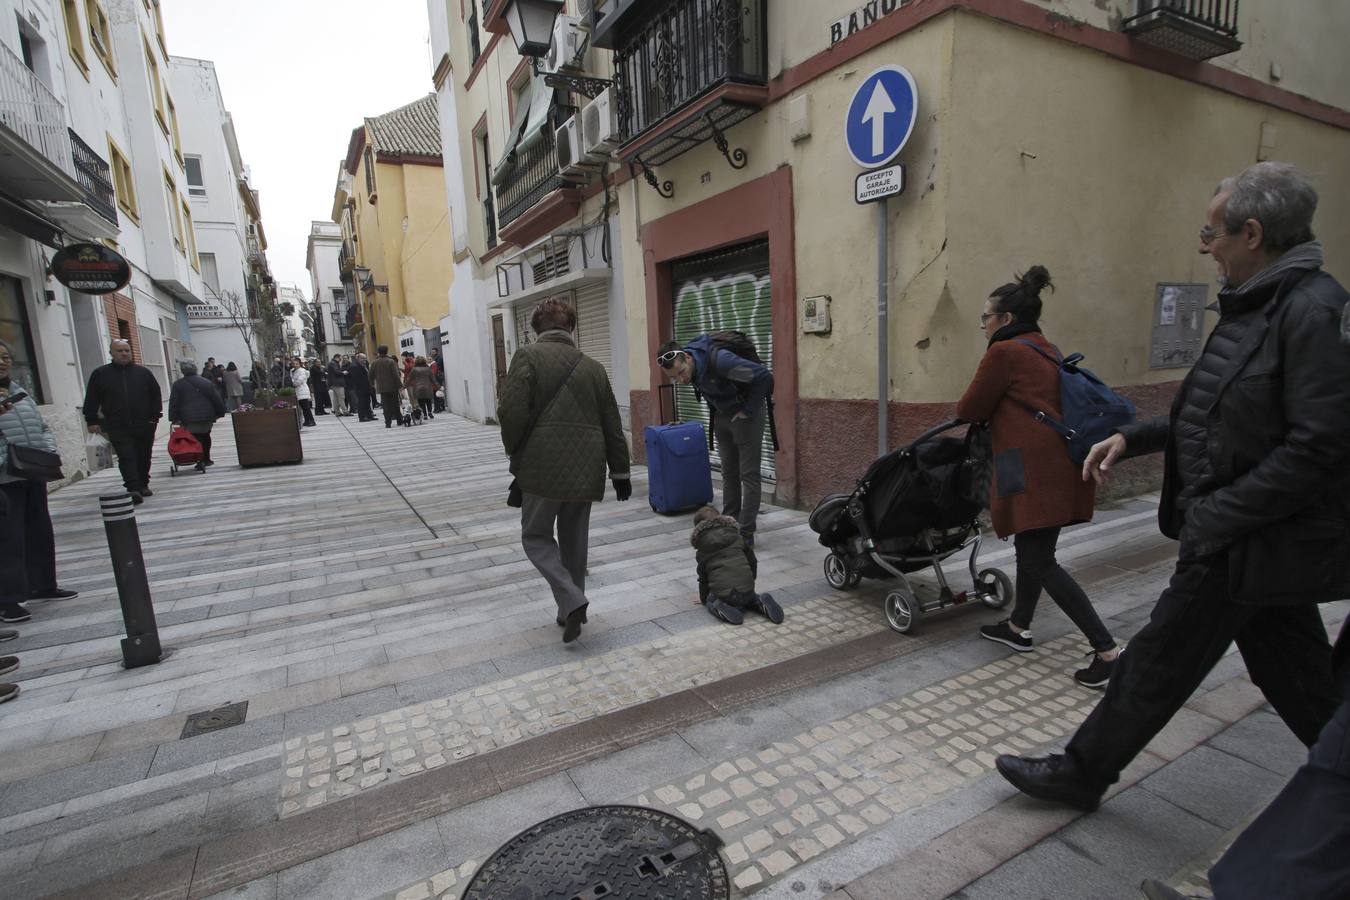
<point x="660" y="407"/>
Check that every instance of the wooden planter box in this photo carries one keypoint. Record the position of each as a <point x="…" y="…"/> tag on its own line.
<point x="268" y="437"/>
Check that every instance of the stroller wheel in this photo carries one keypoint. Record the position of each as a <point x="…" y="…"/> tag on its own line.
<point x="838" y="574"/>
<point x="903" y="611"/>
<point x="995" y="586"/>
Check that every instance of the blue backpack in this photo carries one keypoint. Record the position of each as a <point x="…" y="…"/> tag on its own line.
<point x="1092" y="411"/>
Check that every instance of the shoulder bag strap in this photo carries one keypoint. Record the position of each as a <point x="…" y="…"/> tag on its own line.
<point x="529" y="429"/>
<point x="1039" y="414"/>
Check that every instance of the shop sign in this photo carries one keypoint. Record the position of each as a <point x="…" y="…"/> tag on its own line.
<point x="863" y="17"/>
<point x="91" y="268"/>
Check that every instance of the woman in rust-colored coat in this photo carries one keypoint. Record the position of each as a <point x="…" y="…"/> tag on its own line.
<point x="1037" y="489"/>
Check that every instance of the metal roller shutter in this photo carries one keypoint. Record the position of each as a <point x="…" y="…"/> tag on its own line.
<point x="722" y="291"/>
<point x="592" y="305"/>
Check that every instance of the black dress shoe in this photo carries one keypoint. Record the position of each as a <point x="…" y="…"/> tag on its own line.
<point x="54" y="594"/>
<point x="136" y="498"/>
<point x="572" y="630"/>
<point x="561" y="623"/>
<point x="1054" y="778"/>
<point x="145" y="492"/>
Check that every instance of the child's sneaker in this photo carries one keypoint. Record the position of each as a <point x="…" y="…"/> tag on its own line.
<point x="727" y="613"/>
<point x="1004" y="633"/>
<point x="766" y="606"/>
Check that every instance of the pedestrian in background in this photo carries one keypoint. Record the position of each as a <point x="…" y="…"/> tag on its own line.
<point x="437" y="364"/>
<point x="234" y="387"/>
<point x="386" y="378"/>
<point x="358" y="383"/>
<point x="561" y="427"/>
<point x="300" y="381"/>
<point x="123" y="402"/>
<point x="337" y="385"/>
<point x="421" y="385"/>
<point x="737" y="391"/>
<point x="195" y="405"/>
<point x="318" y="387"/>
<point x="1037" y="488"/>
<point x="27" y="543"/>
<point x="1256" y="449"/>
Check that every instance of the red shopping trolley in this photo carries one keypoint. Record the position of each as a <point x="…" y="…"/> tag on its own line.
<point x="184" y="450"/>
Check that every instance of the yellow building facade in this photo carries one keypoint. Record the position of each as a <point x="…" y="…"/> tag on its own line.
<point x="391" y="203"/>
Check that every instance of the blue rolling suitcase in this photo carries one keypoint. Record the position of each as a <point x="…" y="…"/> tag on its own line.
<point x="679" y="473"/>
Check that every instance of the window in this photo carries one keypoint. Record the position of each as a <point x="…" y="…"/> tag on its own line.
<point x="475" y="48"/>
<point x="123" y="183"/>
<point x="74" y="34"/>
<point x="159" y="27"/>
<point x="15" y="332"/>
<point x="173" y="124"/>
<point x="100" y="35"/>
<point x="196" y="185"/>
<point x="370" y="173"/>
<point x="156" y="86"/>
<point x="210" y="274"/>
<point x="175" y="214"/>
<point x="189" y="233"/>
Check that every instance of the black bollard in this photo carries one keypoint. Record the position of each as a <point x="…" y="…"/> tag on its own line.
<point x="141" y="645"/>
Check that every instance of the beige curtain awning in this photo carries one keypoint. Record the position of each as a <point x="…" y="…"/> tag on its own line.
<point x="527" y="126"/>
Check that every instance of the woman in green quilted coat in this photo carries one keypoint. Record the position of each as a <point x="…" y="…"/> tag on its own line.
<point x="561" y="428"/>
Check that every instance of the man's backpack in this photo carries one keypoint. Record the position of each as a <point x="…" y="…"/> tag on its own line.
<point x="1091" y="410"/>
<point x="738" y="343"/>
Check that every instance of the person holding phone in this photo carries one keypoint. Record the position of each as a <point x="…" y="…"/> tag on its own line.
<point x="28" y="560"/>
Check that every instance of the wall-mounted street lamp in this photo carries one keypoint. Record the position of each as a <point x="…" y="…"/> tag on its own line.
<point x="367" y="283"/>
<point x="531" y="25"/>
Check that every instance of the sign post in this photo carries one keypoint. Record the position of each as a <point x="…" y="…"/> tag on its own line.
<point x="880" y="119"/>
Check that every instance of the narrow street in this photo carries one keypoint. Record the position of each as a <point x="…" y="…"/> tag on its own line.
<point x="410" y="706"/>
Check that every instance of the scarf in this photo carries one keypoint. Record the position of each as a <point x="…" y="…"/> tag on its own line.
<point x="1302" y="257"/>
<point x="1012" y="330"/>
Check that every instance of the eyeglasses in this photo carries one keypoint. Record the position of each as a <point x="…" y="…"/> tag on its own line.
<point x="667" y="359"/>
<point x="1209" y="234"/>
<point x="985" y="317"/>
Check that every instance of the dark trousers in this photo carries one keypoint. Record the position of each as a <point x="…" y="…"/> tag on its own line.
<point x="320" y="401"/>
<point x="205" y="440"/>
<point x="1195" y="620"/>
<point x="133" y="447"/>
<point x="28" y="561"/>
<point x="389" y="400"/>
<point x="307" y="407"/>
<point x="740" y="445"/>
<point x="1037" y="568"/>
<point x="1297" y="848"/>
<point x="426" y="406"/>
<point x="361" y="400"/>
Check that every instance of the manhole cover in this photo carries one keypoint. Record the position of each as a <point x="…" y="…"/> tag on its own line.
<point x="618" y="852"/>
<point x="214" y="720"/>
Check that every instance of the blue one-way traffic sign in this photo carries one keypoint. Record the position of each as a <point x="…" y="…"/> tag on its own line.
<point x="881" y="116"/>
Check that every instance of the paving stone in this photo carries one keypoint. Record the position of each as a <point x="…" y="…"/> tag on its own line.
<point x="1219" y="788"/>
<point x="367" y="868"/>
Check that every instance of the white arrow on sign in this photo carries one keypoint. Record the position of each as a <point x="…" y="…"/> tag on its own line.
<point x="878" y="107"/>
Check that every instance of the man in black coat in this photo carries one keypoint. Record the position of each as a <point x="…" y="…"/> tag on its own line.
<point x="1257" y="447"/>
<point x="123" y="402"/>
<point x="358" y="383"/>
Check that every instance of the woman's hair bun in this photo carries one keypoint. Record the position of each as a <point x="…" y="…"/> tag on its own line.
<point x="1036" y="278"/>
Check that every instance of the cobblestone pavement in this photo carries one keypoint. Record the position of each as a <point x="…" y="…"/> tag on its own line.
<point x="796" y="798"/>
<point x="330" y="765"/>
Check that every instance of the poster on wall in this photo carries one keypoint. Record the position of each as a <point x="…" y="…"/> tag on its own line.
<point x="1178" y="320"/>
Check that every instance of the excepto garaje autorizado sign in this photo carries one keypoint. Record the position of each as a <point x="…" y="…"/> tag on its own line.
<point x="879" y="184"/>
<point x="91" y="268"/>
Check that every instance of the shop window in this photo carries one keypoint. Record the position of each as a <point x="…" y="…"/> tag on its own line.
<point x="18" y="335"/>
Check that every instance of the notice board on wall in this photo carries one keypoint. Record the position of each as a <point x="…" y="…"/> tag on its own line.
<point x="1178" y="325"/>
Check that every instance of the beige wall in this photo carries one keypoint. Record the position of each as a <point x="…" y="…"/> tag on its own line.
<point x="425" y="251"/>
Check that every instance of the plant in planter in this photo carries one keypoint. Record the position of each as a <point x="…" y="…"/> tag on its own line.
<point x="268" y="432"/>
<point x="285" y="397"/>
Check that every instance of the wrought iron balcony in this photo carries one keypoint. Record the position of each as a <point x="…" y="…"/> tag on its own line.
<point x="1195" y="29"/>
<point x="95" y="177"/>
<point x="35" y="148"/>
<point x="668" y="56"/>
<point x="534" y="177"/>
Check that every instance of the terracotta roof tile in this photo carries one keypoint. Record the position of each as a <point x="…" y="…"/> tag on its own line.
<point x="413" y="129"/>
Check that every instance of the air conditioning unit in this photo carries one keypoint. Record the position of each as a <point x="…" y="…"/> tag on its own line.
<point x="600" y="126"/>
<point x="584" y="8"/>
<point x="569" y="43"/>
<point x="571" y="159"/>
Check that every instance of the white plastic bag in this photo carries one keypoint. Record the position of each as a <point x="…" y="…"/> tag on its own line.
<point x="100" y="452"/>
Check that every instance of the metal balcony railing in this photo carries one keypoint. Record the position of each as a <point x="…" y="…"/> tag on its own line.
<point x="95" y="177"/>
<point x="534" y="177"/>
<point x="680" y="52"/>
<point x="1195" y="29"/>
<point x="490" y="221"/>
<point x="31" y="110"/>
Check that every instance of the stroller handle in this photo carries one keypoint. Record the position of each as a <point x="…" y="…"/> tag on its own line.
<point x="936" y="430"/>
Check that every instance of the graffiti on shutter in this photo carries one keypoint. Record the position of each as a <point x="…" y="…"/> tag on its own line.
<point x="728" y="290"/>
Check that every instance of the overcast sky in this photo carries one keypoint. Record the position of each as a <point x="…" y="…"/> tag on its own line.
<point x="298" y="76"/>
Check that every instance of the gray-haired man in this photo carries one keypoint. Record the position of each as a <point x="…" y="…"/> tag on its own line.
<point x="1255" y="488"/>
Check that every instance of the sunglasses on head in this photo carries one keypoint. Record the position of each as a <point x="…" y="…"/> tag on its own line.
<point x="667" y="359"/>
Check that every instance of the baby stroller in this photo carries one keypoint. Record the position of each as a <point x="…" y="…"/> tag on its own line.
<point x="184" y="450"/>
<point x="914" y="508"/>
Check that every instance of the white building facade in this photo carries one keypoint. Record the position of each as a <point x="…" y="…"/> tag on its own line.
<point x="333" y="298"/>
